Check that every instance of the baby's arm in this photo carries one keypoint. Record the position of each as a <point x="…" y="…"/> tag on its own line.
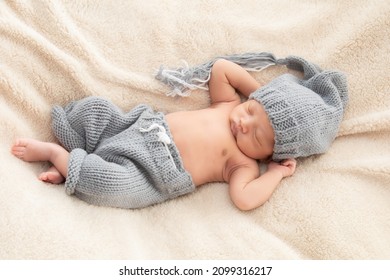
<point x="249" y="191"/>
<point x="227" y="78"/>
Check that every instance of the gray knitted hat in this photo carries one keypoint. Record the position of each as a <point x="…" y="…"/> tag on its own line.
<point x="305" y="113"/>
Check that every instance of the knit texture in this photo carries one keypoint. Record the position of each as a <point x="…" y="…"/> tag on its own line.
<point x="114" y="159"/>
<point x="305" y="114"/>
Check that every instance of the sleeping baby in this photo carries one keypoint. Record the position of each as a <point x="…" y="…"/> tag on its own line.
<point x="139" y="158"/>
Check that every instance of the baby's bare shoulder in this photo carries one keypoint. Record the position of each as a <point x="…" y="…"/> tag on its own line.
<point x="240" y="163"/>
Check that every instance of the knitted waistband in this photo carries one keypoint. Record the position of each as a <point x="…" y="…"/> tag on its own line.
<point x="166" y="157"/>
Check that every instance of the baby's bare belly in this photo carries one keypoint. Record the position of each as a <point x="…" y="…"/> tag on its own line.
<point x="200" y="162"/>
<point x="200" y="147"/>
<point x="203" y="172"/>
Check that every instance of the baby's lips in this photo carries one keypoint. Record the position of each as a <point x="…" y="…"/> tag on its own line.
<point x="234" y="128"/>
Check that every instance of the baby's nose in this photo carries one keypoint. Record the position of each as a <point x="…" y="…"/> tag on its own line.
<point x="245" y="124"/>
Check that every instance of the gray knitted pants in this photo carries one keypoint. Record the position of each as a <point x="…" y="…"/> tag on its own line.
<point x="117" y="159"/>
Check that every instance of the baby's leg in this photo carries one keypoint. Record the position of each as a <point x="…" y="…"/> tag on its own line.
<point x="85" y="123"/>
<point x="31" y="150"/>
<point x="52" y="175"/>
<point x="100" y="182"/>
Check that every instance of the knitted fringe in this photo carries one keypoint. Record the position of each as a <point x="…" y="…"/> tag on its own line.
<point x="184" y="79"/>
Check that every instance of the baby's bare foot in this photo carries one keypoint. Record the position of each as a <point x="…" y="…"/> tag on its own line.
<point x="52" y="175"/>
<point x="31" y="150"/>
<point x="34" y="150"/>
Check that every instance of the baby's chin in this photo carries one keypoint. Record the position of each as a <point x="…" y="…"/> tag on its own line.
<point x="247" y="153"/>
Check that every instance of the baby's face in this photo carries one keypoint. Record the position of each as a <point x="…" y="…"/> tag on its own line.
<point x="252" y="130"/>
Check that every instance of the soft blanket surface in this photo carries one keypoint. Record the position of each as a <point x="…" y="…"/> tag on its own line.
<point x="336" y="206"/>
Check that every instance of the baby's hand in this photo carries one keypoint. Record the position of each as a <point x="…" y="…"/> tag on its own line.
<point x="285" y="167"/>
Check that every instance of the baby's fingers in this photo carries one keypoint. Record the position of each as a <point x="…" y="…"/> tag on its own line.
<point x="290" y="164"/>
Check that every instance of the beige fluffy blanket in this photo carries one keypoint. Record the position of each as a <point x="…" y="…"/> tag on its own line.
<point x="336" y="206"/>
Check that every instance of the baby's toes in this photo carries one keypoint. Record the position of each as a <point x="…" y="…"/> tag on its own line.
<point x="18" y="151"/>
<point x="51" y="177"/>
